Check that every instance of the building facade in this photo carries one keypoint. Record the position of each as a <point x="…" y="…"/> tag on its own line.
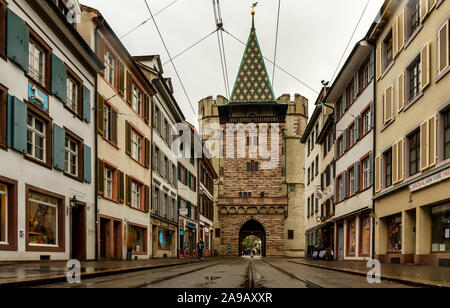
<point x="207" y="176"/>
<point x="412" y="132"/>
<point x="352" y="95"/>
<point x="124" y="134"/>
<point x="47" y="90"/>
<point x="188" y="191"/>
<point x="164" y="209"/>
<point x="259" y="193"/>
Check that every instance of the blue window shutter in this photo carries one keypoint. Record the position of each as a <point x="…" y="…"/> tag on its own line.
<point x="87" y="164"/>
<point x="357" y="177"/>
<point x="344" y="179"/>
<point x="17" y="124"/>
<point x="59" y="79"/>
<point x="59" y="141"/>
<point x="18" y="40"/>
<point x="86" y="104"/>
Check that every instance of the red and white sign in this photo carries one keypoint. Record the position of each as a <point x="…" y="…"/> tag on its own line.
<point x="433" y="179"/>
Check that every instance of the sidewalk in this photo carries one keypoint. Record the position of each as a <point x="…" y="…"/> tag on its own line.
<point x="23" y="274"/>
<point x="424" y="275"/>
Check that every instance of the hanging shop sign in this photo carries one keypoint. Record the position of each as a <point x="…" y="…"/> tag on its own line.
<point x="433" y="179"/>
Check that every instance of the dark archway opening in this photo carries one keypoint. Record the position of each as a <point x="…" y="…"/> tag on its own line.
<point x="252" y="228"/>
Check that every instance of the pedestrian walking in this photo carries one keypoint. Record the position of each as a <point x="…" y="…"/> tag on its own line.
<point x="200" y="247"/>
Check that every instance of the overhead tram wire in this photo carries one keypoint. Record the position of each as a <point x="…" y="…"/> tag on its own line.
<point x="350" y="40"/>
<point x="276" y="65"/>
<point x="219" y="26"/>
<point x="171" y="60"/>
<point x="147" y="20"/>
<point x="276" y="43"/>
<point x="191" y="46"/>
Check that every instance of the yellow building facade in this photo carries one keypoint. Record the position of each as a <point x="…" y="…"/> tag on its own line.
<point x="412" y="142"/>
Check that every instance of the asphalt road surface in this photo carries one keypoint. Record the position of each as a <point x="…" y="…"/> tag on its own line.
<point x="232" y="273"/>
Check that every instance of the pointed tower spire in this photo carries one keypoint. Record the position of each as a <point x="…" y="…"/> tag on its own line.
<point x="252" y="82"/>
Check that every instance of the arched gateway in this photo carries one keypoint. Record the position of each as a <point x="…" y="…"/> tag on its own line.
<point x="252" y="227"/>
<point x="260" y="188"/>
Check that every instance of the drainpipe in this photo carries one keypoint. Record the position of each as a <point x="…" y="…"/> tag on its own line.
<point x="374" y="125"/>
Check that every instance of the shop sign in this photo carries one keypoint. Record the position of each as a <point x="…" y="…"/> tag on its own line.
<point x="37" y="97"/>
<point x="191" y="225"/>
<point x="433" y="179"/>
<point x="183" y="211"/>
<point x="181" y="232"/>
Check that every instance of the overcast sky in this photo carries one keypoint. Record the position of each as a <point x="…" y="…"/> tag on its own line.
<point x="312" y="38"/>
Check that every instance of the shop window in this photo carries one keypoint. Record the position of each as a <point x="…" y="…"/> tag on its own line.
<point x="8" y="214"/>
<point x="447" y="134"/>
<point x="45" y="221"/>
<point x="351" y="239"/>
<point x="394" y="225"/>
<point x="136" y="241"/>
<point x="165" y="239"/>
<point x="441" y="228"/>
<point x="3" y="214"/>
<point x="365" y="236"/>
<point x="414" y="153"/>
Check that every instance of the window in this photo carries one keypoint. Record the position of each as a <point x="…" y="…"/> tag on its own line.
<point x="72" y="156"/>
<point x="365" y="173"/>
<point x="440" y="226"/>
<point x="414" y="153"/>
<point x="137" y="100"/>
<point x="447" y="134"/>
<point x="351" y="181"/>
<point x="350" y="93"/>
<point x="365" y="122"/>
<point x="364" y="75"/>
<point x="317" y="165"/>
<point x="339" y="108"/>
<point x="165" y="239"/>
<point x="387" y="47"/>
<point x="443" y="56"/>
<point x="414" y="16"/>
<point x="110" y="67"/>
<point x="3" y="121"/>
<point x="109" y="180"/>
<point x="3" y="213"/>
<point x="72" y="95"/>
<point x="388" y="168"/>
<point x="137" y="239"/>
<point x="340" y="145"/>
<point x="107" y="121"/>
<point x="36" y="137"/>
<point x="351" y="239"/>
<point x="394" y="225"/>
<point x="45" y="220"/>
<point x="364" y="248"/>
<point x="217" y="233"/>
<point x="351" y="135"/>
<point x="312" y="171"/>
<point x="290" y="234"/>
<point x="414" y="78"/>
<point x="3" y="10"/>
<point x="136" y="194"/>
<point x="37" y="63"/>
<point x="340" y="186"/>
<point x="253" y="166"/>
<point x="136" y="146"/>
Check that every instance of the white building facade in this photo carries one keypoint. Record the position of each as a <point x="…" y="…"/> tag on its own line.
<point x="47" y="89"/>
<point x="352" y="95"/>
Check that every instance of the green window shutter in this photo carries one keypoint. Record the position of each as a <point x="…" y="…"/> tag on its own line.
<point x="87" y="164"/>
<point x="189" y="208"/>
<point x="86" y="104"/>
<point x="59" y="79"/>
<point x="179" y="171"/>
<point x="18" y="40"/>
<point x="17" y="124"/>
<point x="59" y="141"/>
<point x="179" y="202"/>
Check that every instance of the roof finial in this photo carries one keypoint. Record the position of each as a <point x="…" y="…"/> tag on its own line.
<point x="253" y="14"/>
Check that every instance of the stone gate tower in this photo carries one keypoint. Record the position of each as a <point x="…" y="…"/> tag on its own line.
<point x="257" y="193"/>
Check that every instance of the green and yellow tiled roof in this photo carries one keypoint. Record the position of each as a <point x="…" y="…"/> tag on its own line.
<point x="252" y="82"/>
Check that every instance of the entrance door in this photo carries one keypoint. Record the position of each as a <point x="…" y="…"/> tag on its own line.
<point x="155" y="241"/>
<point x="103" y="237"/>
<point x="78" y="249"/>
<point x="341" y="242"/>
<point x="117" y="252"/>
